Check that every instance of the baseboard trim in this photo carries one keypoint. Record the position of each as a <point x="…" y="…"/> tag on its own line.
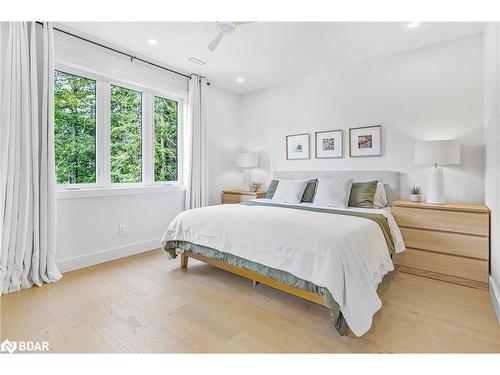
<point x="71" y="264"/>
<point x="495" y="297"/>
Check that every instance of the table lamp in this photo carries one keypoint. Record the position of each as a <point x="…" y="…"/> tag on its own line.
<point x="246" y="161"/>
<point x="437" y="153"/>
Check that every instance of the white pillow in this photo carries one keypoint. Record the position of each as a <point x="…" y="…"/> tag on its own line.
<point x="289" y="191"/>
<point x="333" y="192"/>
<point x="380" y="198"/>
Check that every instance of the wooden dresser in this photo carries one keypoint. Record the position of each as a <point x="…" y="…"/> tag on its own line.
<point x="448" y="242"/>
<point x="238" y="195"/>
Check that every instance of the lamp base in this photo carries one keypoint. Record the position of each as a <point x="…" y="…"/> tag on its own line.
<point x="247" y="179"/>
<point x="436" y="187"/>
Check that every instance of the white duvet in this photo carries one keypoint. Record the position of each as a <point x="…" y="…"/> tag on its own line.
<point x="347" y="255"/>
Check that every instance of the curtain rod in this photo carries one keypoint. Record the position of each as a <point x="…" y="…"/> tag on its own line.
<point x="132" y="57"/>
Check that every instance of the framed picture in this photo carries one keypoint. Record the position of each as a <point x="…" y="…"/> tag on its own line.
<point x="365" y="141"/>
<point x="329" y="144"/>
<point x="297" y="147"/>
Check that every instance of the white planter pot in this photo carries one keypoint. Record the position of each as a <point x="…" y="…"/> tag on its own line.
<point x="415" y="197"/>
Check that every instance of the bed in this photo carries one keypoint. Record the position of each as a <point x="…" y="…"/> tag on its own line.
<point x="330" y="256"/>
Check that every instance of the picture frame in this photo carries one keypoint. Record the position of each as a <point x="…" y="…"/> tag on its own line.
<point x="329" y="144"/>
<point x="365" y="141"/>
<point x="297" y="146"/>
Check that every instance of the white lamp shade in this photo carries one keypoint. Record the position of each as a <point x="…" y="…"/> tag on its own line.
<point x="247" y="160"/>
<point x="437" y="152"/>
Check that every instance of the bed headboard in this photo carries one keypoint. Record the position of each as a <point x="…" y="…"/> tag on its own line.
<point x="391" y="179"/>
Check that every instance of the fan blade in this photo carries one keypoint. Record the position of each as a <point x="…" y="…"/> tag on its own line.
<point x="215" y="42"/>
<point x="239" y="23"/>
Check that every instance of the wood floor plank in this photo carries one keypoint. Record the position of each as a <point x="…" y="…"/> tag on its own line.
<point x="85" y="339"/>
<point x="246" y="343"/>
<point x="160" y="340"/>
<point x="177" y="324"/>
<point x="123" y="339"/>
<point x="146" y="303"/>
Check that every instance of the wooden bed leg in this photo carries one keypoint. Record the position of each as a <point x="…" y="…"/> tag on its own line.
<point x="255" y="283"/>
<point x="184" y="261"/>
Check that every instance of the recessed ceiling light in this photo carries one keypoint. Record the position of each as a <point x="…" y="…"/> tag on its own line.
<point x="412" y="25"/>
<point x="153" y="42"/>
<point x="240" y="80"/>
<point x="197" y="61"/>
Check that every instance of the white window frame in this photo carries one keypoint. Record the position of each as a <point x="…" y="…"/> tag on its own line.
<point x="103" y="138"/>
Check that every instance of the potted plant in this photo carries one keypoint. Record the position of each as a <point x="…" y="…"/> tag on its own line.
<point x="255" y="186"/>
<point x="415" y="193"/>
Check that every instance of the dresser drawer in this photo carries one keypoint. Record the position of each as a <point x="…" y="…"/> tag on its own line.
<point x="467" y="268"/>
<point x="436" y="219"/>
<point x="236" y="198"/>
<point x="446" y="242"/>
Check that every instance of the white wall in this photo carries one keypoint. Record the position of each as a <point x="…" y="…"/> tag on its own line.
<point x="88" y="227"/>
<point x="428" y="93"/>
<point x="492" y="139"/>
<point x="85" y="55"/>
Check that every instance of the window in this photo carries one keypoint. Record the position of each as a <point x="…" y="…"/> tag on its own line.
<point x="126" y="135"/>
<point x="165" y="139"/>
<point x="113" y="133"/>
<point x="74" y="129"/>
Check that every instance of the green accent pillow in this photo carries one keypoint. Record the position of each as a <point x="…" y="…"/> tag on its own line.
<point x="272" y="189"/>
<point x="310" y="191"/>
<point x="362" y="194"/>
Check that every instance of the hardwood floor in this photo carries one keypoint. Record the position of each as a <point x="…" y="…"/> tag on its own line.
<point x="146" y="303"/>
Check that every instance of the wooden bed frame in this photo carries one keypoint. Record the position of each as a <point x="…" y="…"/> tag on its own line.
<point x="255" y="277"/>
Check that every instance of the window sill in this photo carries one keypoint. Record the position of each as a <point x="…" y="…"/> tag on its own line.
<point x="116" y="191"/>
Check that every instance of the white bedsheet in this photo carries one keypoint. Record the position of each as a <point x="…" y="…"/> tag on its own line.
<point x="347" y="255"/>
<point x="399" y="245"/>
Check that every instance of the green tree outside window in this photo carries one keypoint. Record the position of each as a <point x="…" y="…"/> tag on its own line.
<point x="74" y="128"/>
<point x="165" y="130"/>
<point x="126" y="135"/>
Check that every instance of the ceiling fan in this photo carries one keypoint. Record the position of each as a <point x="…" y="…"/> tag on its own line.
<point x="223" y="28"/>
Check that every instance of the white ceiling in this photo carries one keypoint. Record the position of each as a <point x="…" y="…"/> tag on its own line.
<point x="268" y="53"/>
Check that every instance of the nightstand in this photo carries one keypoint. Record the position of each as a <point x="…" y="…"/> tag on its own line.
<point x="238" y="195"/>
<point x="448" y="242"/>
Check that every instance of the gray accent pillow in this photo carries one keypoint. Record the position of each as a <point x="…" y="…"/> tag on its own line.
<point x="308" y="196"/>
<point x="272" y="189"/>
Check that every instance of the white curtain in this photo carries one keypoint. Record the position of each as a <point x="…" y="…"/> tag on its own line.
<point x="196" y="140"/>
<point x="27" y="177"/>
